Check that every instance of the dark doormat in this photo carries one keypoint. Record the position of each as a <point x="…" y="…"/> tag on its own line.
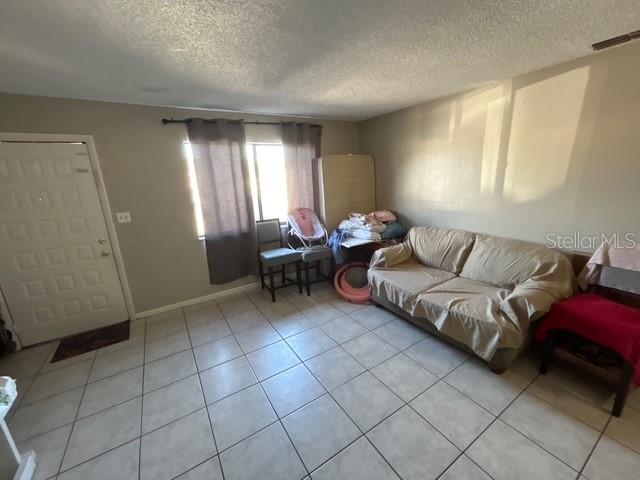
<point x="91" y="340"/>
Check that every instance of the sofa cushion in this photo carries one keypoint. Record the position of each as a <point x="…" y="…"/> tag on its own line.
<point x="469" y="311"/>
<point x="505" y="262"/>
<point x="402" y="283"/>
<point x="441" y="248"/>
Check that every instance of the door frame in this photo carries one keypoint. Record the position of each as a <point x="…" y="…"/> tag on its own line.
<point x="104" y="203"/>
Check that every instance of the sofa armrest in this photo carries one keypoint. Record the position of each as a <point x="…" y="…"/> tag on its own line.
<point x="532" y="298"/>
<point x="390" y="256"/>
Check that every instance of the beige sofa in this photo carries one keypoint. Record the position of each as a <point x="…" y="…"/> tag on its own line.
<point x="480" y="292"/>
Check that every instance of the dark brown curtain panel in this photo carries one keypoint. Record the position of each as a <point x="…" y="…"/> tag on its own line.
<point x="301" y="143"/>
<point x="224" y="186"/>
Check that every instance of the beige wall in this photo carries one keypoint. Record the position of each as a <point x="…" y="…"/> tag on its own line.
<point x="554" y="150"/>
<point x="144" y="173"/>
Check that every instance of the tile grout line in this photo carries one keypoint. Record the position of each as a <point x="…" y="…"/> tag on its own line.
<point x="276" y="374"/>
<point x="267" y="396"/>
<point x="439" y="379"/>
<point x="144" y="357"/>
<point x="196" y="466"/>
<point x="601" y="432"/>
<point x="288" y="337"/>
<point x="546" y="402"/>
<point x="462" y="451"/>
<point x="341" y="345"/>
<point x="33" y="377"/>
<point x="600" y="435"/>
<point x="593" y="449"/>
<point x="204" y="398"/>
<point x="121" y="371"/>
<point x="88" y="460"/>
<point x="369" y="370"/>
<point x="279" y="420"/>
<point x="107" y="408"/>
<point x="49" y="356"/>
<point x="73" y="424"/>
<point x="88" y="416"/>
<point x="328" y="392"/>
<point x="22" y="404"/>
<point x="523" y="390"/>
<point x="278" y="417"/>
<point x="495" y="419"/>
<point x="51" y="429"/>
<point x="362" y="434"/>
<point x="132" y="440"/>
<point x="143" y="366"/>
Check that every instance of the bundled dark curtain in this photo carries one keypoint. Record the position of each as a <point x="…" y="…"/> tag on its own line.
<point x="222" y="173"/>
<point x="301" y="143"/>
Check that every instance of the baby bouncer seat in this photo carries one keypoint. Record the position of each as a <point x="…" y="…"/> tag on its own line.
<point x="305" y="228"/>
<point x="305" y="225"/>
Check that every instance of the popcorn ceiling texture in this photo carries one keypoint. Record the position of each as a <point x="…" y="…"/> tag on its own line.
<point x="346" y="59"/>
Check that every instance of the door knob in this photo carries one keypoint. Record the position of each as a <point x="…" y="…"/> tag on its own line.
<point x="105" y="253"/>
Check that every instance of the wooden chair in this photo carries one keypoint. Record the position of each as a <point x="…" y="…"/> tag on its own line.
<point x="269" y="234"/>
<point x="312" y="260"/>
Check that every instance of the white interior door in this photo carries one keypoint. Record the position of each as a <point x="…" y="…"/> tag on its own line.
<point x="57" y="269"/>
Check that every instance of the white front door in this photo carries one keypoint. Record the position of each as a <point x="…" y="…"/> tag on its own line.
<point x="57" y="270"/>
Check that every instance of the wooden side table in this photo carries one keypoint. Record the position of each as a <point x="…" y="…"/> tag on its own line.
<point x="621" y="385"/>
<point x="613" y="326"/>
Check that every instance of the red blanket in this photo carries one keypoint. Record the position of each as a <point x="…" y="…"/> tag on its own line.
<point x="608" y="323"/>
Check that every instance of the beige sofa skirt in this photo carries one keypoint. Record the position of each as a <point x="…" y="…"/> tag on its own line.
<point x="502" y="359"/>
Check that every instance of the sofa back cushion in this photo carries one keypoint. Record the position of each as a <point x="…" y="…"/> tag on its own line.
<point x="441" y="248"/>
<point x="505" y="262"/>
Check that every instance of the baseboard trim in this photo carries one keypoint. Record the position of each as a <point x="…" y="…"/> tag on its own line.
<point x="194" y="301"/>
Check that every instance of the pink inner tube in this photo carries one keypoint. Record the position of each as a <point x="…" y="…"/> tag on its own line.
<point x="346" y="290"/>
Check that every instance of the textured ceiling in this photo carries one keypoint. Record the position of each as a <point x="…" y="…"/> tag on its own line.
<point x="349" y="59"/>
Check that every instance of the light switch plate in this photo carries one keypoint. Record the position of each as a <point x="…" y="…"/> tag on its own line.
<point x="123" y="217"/>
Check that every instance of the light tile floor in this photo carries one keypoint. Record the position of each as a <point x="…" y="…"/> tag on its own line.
<point x="308" y="388"/>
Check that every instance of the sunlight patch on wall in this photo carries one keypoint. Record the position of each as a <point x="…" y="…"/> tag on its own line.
<point x="491" y="145"/>
<point x="546" y="117"/>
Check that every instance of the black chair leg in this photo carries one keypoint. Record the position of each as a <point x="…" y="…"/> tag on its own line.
<point x="298" y="280"/>
<point x="307" y="280"/>
<point x="547" y="354"/>
<point x="318" y="269"/>
<point x="261" y="270"/>
<point x="284" y="273"/>
<point x="628" y="370"/>
<point x="272" y="288"/>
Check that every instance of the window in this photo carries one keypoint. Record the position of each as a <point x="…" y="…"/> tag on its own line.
<point x="268" y="182"/>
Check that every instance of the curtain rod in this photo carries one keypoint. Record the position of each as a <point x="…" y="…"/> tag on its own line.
<point x="188" y="120"/>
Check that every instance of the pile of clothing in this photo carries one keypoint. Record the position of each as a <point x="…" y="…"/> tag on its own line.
<point x="378" y="225"/>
